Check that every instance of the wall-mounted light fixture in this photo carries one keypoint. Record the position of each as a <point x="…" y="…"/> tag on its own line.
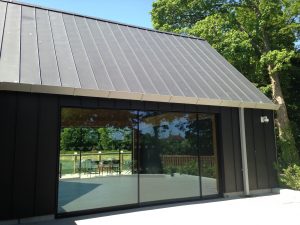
<point x="264" y="119"/>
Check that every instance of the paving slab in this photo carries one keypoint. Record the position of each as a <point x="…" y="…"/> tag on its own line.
<point x="283" y="208"/>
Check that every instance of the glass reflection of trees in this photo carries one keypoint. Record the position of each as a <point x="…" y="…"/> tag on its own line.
<point x="166" y="134"/>
<point x="97" y="129"/>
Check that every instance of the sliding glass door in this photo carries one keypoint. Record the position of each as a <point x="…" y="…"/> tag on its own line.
<point x="111" y="157"/>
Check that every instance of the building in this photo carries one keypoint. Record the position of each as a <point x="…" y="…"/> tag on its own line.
<point x="181" y="123"/>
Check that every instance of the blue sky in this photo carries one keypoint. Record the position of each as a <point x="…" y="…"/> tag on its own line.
<point x="135" y="12"/>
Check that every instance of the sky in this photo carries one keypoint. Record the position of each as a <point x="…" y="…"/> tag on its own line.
<point x="134" y="12"/>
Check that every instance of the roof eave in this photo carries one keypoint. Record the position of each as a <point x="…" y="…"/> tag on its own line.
<point x="45" y="89"/>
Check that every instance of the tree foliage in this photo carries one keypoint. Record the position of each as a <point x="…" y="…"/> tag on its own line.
<point x="87" y="139"/>
<point x="78" y="139"/>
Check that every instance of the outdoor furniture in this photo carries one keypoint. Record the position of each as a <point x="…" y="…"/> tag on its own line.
<point x="91" y="166"/>
<point x="105" y="165"/>
<point x="116" y="166"/>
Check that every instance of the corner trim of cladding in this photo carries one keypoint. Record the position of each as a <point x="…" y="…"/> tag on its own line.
<point x="33" y="88"/>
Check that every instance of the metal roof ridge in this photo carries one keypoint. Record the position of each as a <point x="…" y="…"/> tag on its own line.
<point x="99" y="19"/>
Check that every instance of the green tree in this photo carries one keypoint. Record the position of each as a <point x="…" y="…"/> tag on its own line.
<point x="256" y="36"/>
<point x="105" y="142"/>
<point x="111" y="138"/>
<point x="84" y="139"/>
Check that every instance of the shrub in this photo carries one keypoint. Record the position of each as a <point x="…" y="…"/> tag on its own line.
<point x="291" y="177"/>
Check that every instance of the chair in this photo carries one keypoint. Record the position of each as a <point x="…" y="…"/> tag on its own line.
<point x="91" y="166"/>
<point x="116" y="166"/>
<point x="106" y="165"/>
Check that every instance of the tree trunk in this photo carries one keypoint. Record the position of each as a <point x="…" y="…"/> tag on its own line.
<point x="282" y="120"/>
<point x="287" y="143"/>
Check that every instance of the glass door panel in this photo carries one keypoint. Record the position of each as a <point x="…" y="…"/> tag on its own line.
<point x="97" y="159"/>
<point x="208" y="154"/>
<point x="168" y="156"/>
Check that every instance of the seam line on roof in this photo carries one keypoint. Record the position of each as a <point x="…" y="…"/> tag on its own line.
<point x="100" y="19"/>
<point x="96" y="48"/>
<point x="100" y="56"/>
<point x="215" y="54"/>
<point x="4" y="24"/>
<point x="202" y="69"/>
<point x="179" y="63"/>
<point x="83" y="45"/>
<point x="234" y="75"/>
<point x="137" y="59"/>
<point x="216" y="79"/>
<point x="111" y="53"/>
<point x="150" y="62"/>
<point x="68" y="40"/>
<point x="126" y="60"/>
<point x="75" y="31"/>
<point x="172" y="65"/>
<point x="213" y="75"/>
<point x="224" y="77"/>
<point x="196" y="72"/>
<point x="162" y="65"/>
<point x="37" y="45"/>
<point x="51" y="31"/>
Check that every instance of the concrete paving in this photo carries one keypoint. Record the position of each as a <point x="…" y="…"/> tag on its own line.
<point x="272" y="209"/>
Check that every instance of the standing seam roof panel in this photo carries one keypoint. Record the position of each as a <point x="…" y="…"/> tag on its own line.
<point x="49" y="51"/>
<point x="243" y="81"/>
<point x="30" y="62"/>
<point x="164" y="43"/>
<point x="115" y="76"/>
<point x="48" y="64"/>
<point x="235" y="89"/>
<point x="10" y="51"/>
<point x="213" y="75"/>
<point x="157" y="81"/>
<point x="66" y="65"/>
<point x="3" y="7"/>
<point x="120" y="59"/>
<point x="83" y="67"/>
<point x="182" y="84"/>
<point x="163" y="72"/>
<point x="185" y="63"/>
<point x="135" y="64"/>
<point x="99" y="69"/>
<point x="205" y="75"/>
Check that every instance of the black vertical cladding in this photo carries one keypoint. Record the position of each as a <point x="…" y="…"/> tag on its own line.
<point x="25" y="155"/>
<point x="29" y="134"/>
<point x="270" y="146"/>
<point x="236" y="145"/>
<point x="89" y="102"/>
<point x="70" y="101"/>
<point x="228" y="154"/>
<point x="250" y="145"/>
<point x="46" y="155"/>
<point x="260" y="152"/>
<point x="7" y="149"/>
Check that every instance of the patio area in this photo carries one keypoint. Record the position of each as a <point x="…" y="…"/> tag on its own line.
<point x="98" y="192"/>
<point x="268" y="209"/>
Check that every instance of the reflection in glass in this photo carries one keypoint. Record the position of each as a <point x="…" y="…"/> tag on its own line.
<point x="100" y="150"/>
<point x="169" y="158"/>
<point x="97" y="152"/>
<point x="208" y="154"/>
